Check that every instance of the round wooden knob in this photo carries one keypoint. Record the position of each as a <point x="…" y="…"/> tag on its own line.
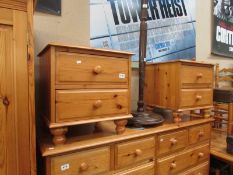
<point x="97" y="69"/>
<point x="200" y="75"/>
<point x="84" y="166"/>
<point x="200" y="155"/>
<point x="5" y="101"/>
<point x="138" y="152"/>
<point x="97" y="104"/>
<point x="201" y="134"/>
<point x="198" y="97"/>
<point x="173" y="165"/>
<point x="173" y="141"/>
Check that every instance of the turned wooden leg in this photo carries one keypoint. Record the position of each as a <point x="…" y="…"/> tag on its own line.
<point x="59" y="137"/>
<point x="120" y="126"/>
<point x="206" y="113"/>
<point x="177" y="117"/>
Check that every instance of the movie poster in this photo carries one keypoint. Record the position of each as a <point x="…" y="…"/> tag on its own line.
<point x="115" y="24"/>
<point x="222" y="41"/>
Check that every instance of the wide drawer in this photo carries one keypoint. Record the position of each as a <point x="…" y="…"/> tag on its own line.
<point x="75" y="105"/>
<point x="199" y="133"/>
<point x="93" y="162"/>
<point x="196" y="98"/>
<point x="147" y="169"/>
<point x="74" y="68"/>
<point x="172" y="141"/>
<point x="196" y="76"/>
<point x="180" y="161"/>
<point x="202" y="169"/>
<point x="132" y="152"/>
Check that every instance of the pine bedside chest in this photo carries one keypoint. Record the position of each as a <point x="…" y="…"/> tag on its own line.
<point x="81" y="85"/>
<point x="181" y="86"/>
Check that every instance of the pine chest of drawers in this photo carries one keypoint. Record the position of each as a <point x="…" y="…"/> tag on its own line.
<point x="81" y="85"/>
<point x="165" y="150"/>
<point x="180" y="85"/>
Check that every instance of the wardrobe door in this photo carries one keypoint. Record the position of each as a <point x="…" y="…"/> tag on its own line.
<point x="14" y="118"/>
<point x="8" y="139"/>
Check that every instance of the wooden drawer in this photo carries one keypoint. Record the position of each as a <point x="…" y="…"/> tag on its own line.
<point x="196" y="97"/>
<point x="94" y="161"/>
<point x="199" y="76"/>
<point x="199" y="133"/>
<point x="172" y="141"/>
<point x="74" y="68"/>
<point x="75" y="105"/>
<point x="179" y="162"/>
<point x="132" y="152"/>
<point x="147" y="169"/>
<point x="202" y="169"/>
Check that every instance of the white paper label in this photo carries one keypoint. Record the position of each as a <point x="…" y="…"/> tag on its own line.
<point x="78" y="61"/>
<point x="144" y="6"/>
<point x="65" y="167"/>
<point x="122" y="76"/>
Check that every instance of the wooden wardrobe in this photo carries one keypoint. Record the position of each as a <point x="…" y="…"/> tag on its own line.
<point x="17" y="122"/>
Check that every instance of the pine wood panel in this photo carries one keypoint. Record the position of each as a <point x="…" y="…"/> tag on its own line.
<point x="31" y="83"/>
<point x="75" y="105"/>
<point x="8" y="139"/>
<point x="196" y="98"/>
<point x="171" y="142"/>
<point x="167" y="85"/>
<point x="22" y="99"/>
<point x="14" y="4"/>
<point x="182" y="160"/>
<point x="96" y="161"/>
<point x="199" y="133"/>
<point x="149" y="89"/>
<point x="6" y="16"/>
<point x="74" y="68"/>
<point x="202" y="169"/>
<point x="146" y="169"/>
<point x="129" y="153"/>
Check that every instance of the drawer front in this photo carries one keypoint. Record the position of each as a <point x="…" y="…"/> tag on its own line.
<point x="196" y="98"/>
<point x="132" y="152"/>
<point x="172" y="141"/>
<point x="202" y="169"/>
<point x="74" y="68"/>
<point x="198" y="76"/>
<point x="147" y="169"/>
<point x="179" y="162"/>
<point x="95" y="161"/>
<point x="75" y="105"/>
<point x="199" y="133"/>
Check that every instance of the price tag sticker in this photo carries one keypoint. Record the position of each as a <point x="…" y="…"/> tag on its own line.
<point x="65" y="167"/>
<point x="122" y="76"/>
<point x="79" y="62"/>
<point x="144" y="6"/>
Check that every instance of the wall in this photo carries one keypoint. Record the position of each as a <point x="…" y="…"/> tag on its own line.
<point x="204" y="12"/>
<point x="72" y="27"/>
